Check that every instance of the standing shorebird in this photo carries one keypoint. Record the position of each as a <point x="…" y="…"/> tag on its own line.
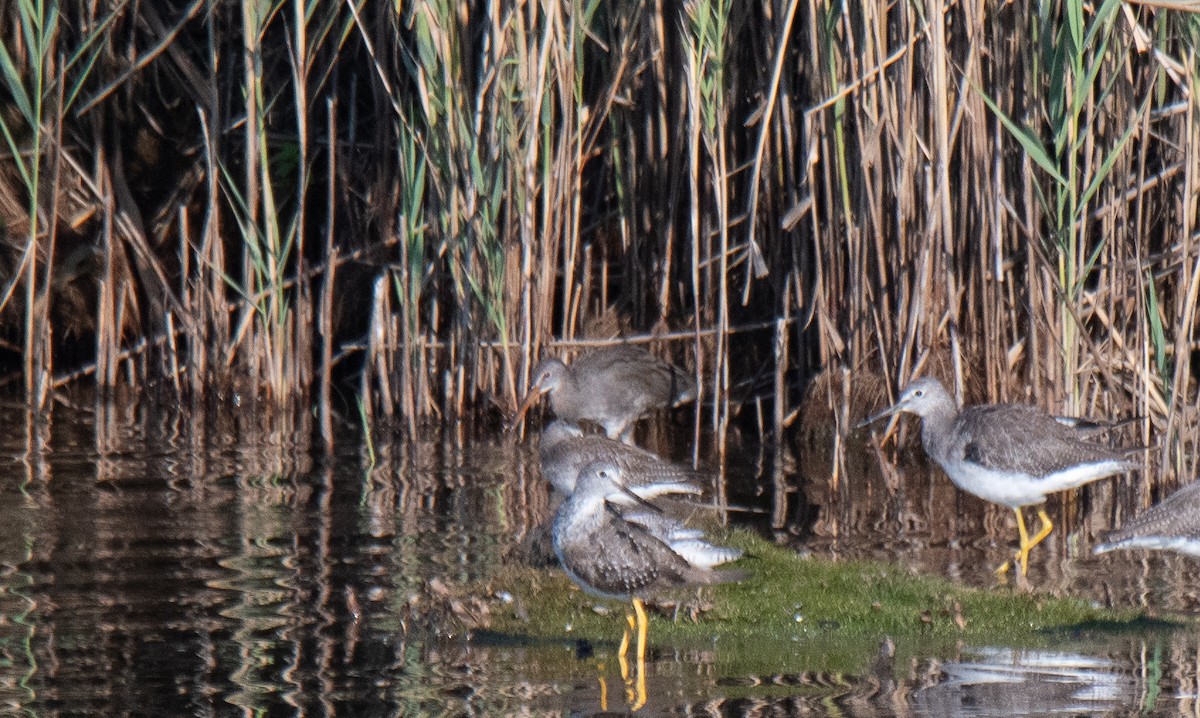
<point x="1008" y="454"/>
<point x="614" y="551"/>
<point x="1172" y="524"/>
<point x="564" y="450"/>
<point x="611" y="386"/>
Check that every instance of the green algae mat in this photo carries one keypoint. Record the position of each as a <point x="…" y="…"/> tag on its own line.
<point x="791" y="605"/>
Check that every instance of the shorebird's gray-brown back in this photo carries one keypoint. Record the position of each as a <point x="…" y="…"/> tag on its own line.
<point x="613" y="556"/>
<point x="564" y="450"/>
<point x="611" y="386"/>
<point x="1172" y="524"/>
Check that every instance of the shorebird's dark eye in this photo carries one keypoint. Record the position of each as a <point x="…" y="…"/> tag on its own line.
<point x="919" y="393"/>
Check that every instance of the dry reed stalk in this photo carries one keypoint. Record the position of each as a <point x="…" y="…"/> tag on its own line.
<point x="325" y="308"/>
<point x="780" y="398"/>
<point x="42" y="327"/>
<point x="107" y="332"/>
<point x="376" y="369"/>
<point x="297" y="371"/>
<point x="700" y="317"/>
<point x="1182" y="417"/>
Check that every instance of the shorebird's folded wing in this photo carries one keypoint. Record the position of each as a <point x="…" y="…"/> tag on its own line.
<point x="1023" y="439"/>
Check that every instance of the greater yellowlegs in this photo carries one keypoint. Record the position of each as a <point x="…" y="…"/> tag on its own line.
<point x="614" y="551"/>
<point x="1172" y="524"/>
<point x="612" y="386"/>
<point x="565" y="449"/>
<point x="1008" y="454"/>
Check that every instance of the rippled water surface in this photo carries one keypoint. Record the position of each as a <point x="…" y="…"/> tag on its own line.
<point x="146" y="570"/>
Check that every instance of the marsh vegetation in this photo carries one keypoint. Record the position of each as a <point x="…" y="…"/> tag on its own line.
<point x="401" y="206"/>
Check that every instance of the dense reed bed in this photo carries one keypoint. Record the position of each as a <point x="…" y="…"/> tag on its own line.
<point x="400" y="206"/>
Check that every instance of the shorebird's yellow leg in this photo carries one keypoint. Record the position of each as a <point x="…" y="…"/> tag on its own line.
<point x="1028" y="543"/>
<point x="621" y="660"/>
<point x="1023" y="550"/>
<point x="625" y="638"/>
<point x="603" y="693"/>
<point x="640" y="609"/>
<point x="637" y="698"/>
<point x="631" y="620"/>
<point x="1044" y="531"/>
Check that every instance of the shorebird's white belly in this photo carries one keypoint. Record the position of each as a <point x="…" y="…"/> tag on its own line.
<point x="1014" y="489"/>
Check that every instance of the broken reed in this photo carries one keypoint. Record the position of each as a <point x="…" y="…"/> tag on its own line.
<point x="423" y="198"/>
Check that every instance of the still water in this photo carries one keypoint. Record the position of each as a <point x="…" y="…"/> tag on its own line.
<point x="148" y="568"/>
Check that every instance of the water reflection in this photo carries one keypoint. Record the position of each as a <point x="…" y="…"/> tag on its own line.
<point x="1005" y="682"/>
<point x="147" y="567"/>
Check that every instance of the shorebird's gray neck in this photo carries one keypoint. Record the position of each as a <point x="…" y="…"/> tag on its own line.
<point x="937" y="421"/>
<point x="565" y="398"/>
<point x="581" y="509"/>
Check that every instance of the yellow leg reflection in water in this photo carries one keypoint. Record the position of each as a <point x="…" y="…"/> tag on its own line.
<point x="635" y="687"/>
<point x="621" y="661"/>
<point x="639" y="698"/>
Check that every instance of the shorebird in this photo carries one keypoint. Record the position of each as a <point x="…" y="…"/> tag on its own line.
<point x="1172" y="524"/>
<point x="628" y="554"/>
<point x="1008" y="454"/>
<point x="611" y="386"/>
<point x="565" y="449"/>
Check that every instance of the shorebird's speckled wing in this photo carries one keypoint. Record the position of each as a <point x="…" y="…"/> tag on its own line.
<point x="1024" y="439"/>
<point x="625" y="560"/>
<point x="688" y="542"/>
<point x="633" y="377"/>
<point x="610" y="386"/>
<point x="647" y="474"/>
<point x="1175" y="517"/>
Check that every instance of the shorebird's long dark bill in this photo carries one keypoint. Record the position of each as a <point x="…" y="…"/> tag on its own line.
<point x="534" y="394"/>
<point x="626" y="491"/>
<point x="881" y="415"/>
